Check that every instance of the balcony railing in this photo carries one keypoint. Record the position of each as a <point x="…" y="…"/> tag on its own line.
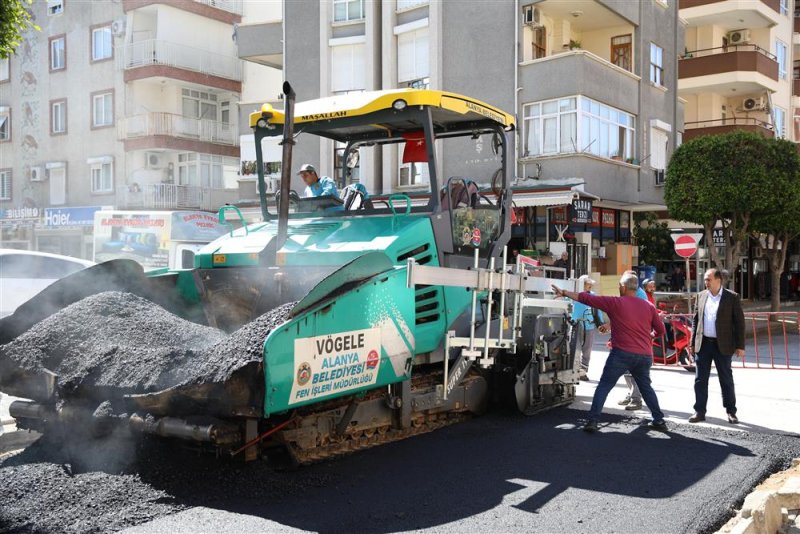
<point x="231" y="6"/>
<point x="731" y="58"/>
<point x="172" y="125"/>
<point x="172" y="196"/>
<point x="157" y="52"/>
<point x="719" y="126"/>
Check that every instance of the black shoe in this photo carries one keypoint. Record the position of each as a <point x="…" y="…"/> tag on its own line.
<point x="590" y="426"/>
<point x="696" y="418"/>
<point x="661" y="426"/>
<point x="732" y="419"/>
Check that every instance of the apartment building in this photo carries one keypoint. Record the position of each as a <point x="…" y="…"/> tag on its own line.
<point x="737" y="72"/>
<point x="593" y="85"/>
<point x="129" y="104"/>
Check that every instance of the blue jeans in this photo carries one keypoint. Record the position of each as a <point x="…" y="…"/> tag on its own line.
<point x="617" y="363"/>
<point x="709" y="351"/>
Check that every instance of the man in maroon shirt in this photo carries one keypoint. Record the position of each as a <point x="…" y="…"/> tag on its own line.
<point x="634" y="322"/>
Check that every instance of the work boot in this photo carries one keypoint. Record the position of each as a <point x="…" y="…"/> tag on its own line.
<point x="624" y="402"/>
<point x="661" y="426"/>
<point x="634" y="405"/>
<point x="590" y="427"/>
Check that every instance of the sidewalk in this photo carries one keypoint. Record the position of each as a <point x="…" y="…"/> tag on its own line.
<point x="766" y="399"/>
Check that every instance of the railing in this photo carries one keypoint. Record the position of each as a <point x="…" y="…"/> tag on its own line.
<point x="703" y="52"/>
<point x="231" y="6"/>
<point x="772" y="341"/>
<point x="156" y="123"/>
<point x="157" y="52"/>
<point x="173" y="196"/>
<point x="735" y="121"/>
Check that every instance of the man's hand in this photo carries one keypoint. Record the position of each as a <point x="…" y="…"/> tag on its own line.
<point x="557" y="290"/>
<point x="739" y="353"/>
<point x="604" y="328"/>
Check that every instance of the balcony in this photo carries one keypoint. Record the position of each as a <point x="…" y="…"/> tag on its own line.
<point x="589" y="75"/>
<point x="734" y="68"/>
<point x="720" y="126"/>
<point x="228" y="11"/>
<point x="731" y="14"/>
<point x="171" y="125"/>
<point x="172" y="196"/>
<point x="261" y="43"/>
<point x="153" y="58"/>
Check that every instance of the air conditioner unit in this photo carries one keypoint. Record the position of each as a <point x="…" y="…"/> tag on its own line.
<point x="738" y="37"/>
<point x="660" y="176"/>
<point x="754" y="104"/>
<point x="530" y="16"/>
<point x="38" y="174"/>
<point x="154" y="160"/>
<point x="118" y="27"/>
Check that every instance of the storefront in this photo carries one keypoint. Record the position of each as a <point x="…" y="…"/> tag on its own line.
<point x="67" y="231"/>
<point x="17" y="227"/>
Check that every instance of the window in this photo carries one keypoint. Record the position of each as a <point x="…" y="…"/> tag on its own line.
<point x="58" y="185"/>
<point x="344" y="10"/>
<point x="5" y="70"/>
<point x="102" y="171"/>
<point x="656" y="65"/>
<point x="55" y="7"/>
<point x="348" y="72"/>
<point x="621" y="51"/>
<point x="101" y="43"/>
<point x="413" y="174"/>
<point x="5" y="123"/>
<point x="5" y="184"/>
<point x="58" y="117"/>
<point x="780" y="122"/>
<point x="202" y="170"/>
<point x="102" y="110"/>
<point x="577" y="124"/>
<point x="780" y="56"/>
<point x="412" y="55"/>
<point x="199" y="104"/>
<point x="58" y="53"/>
<point x="659" y="139"/>
<point x="539" y="42"/>
<point x="784" y="7"/>
<point x="422" y="83"/>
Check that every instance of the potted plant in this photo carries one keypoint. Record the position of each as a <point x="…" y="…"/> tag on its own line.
<point x="615" y="156"/>
<point x="573" y="44"/>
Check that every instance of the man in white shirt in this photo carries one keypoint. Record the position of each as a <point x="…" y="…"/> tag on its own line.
<point x="717" y="335"/>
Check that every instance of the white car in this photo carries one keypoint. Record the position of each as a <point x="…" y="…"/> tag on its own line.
<point x="25" y="273"/>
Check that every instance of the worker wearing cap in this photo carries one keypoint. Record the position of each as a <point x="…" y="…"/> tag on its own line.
<point x="316" y="185"/>
<point x="587" y="319"/>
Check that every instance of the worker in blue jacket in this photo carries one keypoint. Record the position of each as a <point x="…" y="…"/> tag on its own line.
<point x="316" y="185"/>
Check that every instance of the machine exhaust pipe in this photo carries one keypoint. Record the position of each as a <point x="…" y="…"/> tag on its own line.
<point x="172" y="427"/>
<point x="29" y="410"/>
<point x="286" y="166"/>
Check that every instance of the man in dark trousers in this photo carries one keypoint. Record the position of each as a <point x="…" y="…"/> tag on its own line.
<point x="633" y="322"/>
<point x="717" y="334"/>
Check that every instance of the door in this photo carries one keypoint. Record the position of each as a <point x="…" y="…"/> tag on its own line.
<point x="622" y="51"/>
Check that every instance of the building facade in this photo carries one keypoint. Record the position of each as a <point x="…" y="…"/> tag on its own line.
<point x="592" y="83"/>
<point x="127" y="105"/>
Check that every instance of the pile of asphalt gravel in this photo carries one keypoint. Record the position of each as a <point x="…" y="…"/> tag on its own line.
<point x="127" y="343"/>
<point x="44" y="488"/>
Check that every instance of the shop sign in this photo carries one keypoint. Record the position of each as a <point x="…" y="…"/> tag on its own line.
<point x="60" y="217"/>
<point x="19" y="214"/>
<point x="581" y="211"/>
<point x="596" y="216"/>
<point x="559" y="215"/>
<point x="608" y="218"/>
<point x="718" y="236"/>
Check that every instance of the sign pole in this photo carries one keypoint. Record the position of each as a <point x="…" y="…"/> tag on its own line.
<point x="688" y="280"/>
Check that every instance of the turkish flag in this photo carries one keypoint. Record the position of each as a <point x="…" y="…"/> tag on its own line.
<point x="415" y="150"/>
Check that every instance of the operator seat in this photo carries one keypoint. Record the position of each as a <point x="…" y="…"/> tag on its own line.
<point x="355" y="197"/>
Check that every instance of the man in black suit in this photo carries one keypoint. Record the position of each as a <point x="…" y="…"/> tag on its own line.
<point x="717" y="335"/>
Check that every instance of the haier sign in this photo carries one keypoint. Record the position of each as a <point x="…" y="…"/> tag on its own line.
<point x="60" y="217"/>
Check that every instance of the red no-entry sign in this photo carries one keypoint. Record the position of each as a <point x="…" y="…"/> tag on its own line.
<point x="685" y="245"/>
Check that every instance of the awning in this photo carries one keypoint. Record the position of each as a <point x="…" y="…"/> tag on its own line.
<point x="544" y="198"/>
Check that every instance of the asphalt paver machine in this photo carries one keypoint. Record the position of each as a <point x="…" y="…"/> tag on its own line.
<point x="406" y="315"/>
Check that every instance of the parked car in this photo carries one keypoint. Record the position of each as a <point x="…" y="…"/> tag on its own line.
<point x="24" y="273"/>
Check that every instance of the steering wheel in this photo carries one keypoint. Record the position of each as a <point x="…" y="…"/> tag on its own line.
<point x="294" y="198"/>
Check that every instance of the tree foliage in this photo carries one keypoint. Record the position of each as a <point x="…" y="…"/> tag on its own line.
<point x="15" y="20"/>
<point x="721" y="178"/>
<point x="653" y="239"/>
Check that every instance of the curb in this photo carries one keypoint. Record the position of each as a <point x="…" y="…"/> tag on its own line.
<point x="768" y="508"/>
